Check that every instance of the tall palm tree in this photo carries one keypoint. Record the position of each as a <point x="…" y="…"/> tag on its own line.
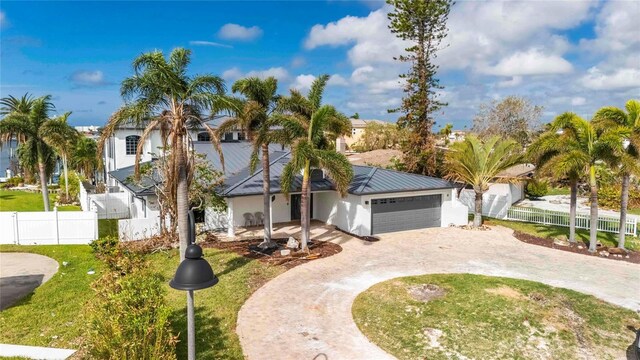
<point x="62" y="138"/>
<point x="559" y="155"/>
<point x="629" y="159"/>
<point x="161" y="96"/>
<point x="589" y="147"/>
<point x="477" y="163"/>
<point x="312" y="128"/>
<point x="255" y="116"/>
<point x="85" y="156"/>
<point x="24" y="118"/>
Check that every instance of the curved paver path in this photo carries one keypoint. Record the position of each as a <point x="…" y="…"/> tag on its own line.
<point x="21" y="273"/>
<point x="305" y="313"/>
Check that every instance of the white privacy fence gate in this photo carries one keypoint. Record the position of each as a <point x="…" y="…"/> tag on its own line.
<point x="583" y="221"/>
<point x="48" y="228"/>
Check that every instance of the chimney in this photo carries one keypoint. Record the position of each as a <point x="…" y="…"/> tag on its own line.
<point x="341" y="145"/>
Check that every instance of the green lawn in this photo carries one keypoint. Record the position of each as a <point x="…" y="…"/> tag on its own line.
<point x="15" y="200"/>
<point x="52" y="315"/>
<point x="481" y="317"/>
<point x="550" y="232"/>
<point x="559" y="191"/>
<point x="107" y="227"/>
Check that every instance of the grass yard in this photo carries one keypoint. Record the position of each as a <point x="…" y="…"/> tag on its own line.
<point x="15" y="200"/>
<point x="559" y="191"/>
<point x="52" y="316"/>
<point x="550" y="232"/>
<point x="483" y="317"/>
<point x="107" y="227"/>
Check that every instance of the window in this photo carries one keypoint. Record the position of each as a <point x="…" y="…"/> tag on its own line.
<point x="241" y="136"/>
<point x="353" y="131"/>
<point x="204" y="136"/>
<point x="228" y="136"/>
<point x="131" y="144"/>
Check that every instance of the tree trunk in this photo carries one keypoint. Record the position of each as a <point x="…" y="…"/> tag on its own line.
<point x="477" y="214"/>
<point x="182" y="196"/>
<point x="66" y="177"/>
<point x="624" y="202"/>
<point x="43" y="185"/>
<point x="267" y="243"/>
<point x="593" y="229"/>
<point x="304" y="208"/>
<point x="572" y="211"/>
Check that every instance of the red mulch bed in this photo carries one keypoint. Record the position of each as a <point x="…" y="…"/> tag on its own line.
<point x="248" y="249"/>
<point x="579" y="248"/>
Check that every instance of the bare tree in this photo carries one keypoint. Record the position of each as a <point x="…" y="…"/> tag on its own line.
<point x="513" y="117"/>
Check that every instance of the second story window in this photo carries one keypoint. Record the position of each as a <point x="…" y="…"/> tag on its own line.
<point x="228" y="136"/>
<point x="131" y="144"/>
<point x="241" y="136"/>
<point x="204" y="136"/>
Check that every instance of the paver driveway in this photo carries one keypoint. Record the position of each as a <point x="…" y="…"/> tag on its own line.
<point x="305" y="313"/>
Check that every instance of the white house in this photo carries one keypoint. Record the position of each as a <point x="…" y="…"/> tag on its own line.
<point x="378" y="200"/>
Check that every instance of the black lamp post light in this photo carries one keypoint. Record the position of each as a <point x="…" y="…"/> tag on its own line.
<point x="194" y="273"/>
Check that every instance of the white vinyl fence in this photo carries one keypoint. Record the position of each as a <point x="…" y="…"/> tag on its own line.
<point x="48" y="228"/>
<point x="583" y="221"/>
<point x="137" y="229"/>
<point x="494" y="205"/>
<point x="108" y="205"/>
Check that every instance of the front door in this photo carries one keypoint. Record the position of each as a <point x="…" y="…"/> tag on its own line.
<point x="296" y="203"/>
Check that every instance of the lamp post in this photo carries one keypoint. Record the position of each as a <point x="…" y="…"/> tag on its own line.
<point x="194" y="273"/>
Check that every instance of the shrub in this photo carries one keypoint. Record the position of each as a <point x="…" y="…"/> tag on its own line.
<point x="536" y="188"/>
<point x="609" y="197"/>
<point x="74" y="185"/>
<point x="15" y="181"/>
<point x="129" y="318"/>
<point x="118" y="257"/>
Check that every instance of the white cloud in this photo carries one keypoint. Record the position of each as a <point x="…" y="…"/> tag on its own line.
<point x="208" y="43"/>
<point x="531" y="62"/>
<point x="616" y="27"/>
<point x="337" y="80"/>
<point x="514" y="81"/>
<point x="234" y="73"/>
<point x="239" y="32"/>
<point x="303" y="82"/>
<point x="88" y="78"/>
<point x="618" y="79"/>
<point x="578" y="101"/>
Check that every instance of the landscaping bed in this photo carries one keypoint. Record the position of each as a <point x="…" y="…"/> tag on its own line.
<point x="249" y="249"/>
<point x="481" y="317"/>
<point x="580" y="248"/>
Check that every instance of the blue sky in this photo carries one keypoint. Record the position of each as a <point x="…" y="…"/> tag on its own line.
<point x="563" y="55"/>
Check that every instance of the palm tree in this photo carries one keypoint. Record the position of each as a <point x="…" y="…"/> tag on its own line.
<point x="446" y="131"/>
<point x="629" y="160"/>
<point x="558" y="155"/>
<point x="61" y="137"/>
<point x="160" y="96"/>
<point x="255" y="117"/>
<point x="589" y="146"/>
<point x="312" y="128"/>
<point x="24" y="118"/>
<point x="477" y="163"/>
<point x="85" y="156"/>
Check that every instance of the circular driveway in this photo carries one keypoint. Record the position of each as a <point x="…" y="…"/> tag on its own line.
<point x="21" y="273"/>
<point x="305" y="313"/>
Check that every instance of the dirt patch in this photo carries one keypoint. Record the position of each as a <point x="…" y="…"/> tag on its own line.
<point x="249" y="249"/>
<point x="506" y="292"/>
<point x="579" y="248"/>
<point x="426" y="292"/>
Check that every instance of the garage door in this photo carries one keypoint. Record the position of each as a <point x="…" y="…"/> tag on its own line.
<point x="405" y="213"/>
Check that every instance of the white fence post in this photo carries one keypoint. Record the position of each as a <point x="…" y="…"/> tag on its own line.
<point x="16" y="234"/>
<point x="55" y="214"/>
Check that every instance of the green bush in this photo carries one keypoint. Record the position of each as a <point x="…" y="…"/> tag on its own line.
<point x="15" y="181"/>
<point x="609" y="197"/>
<point x="74" y="186"/>
<point x="118" y="258"/>
<point x="537" y="189"/>
<point x="129" y="318"/>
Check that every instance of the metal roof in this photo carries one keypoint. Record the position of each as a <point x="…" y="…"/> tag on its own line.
<point x="145" y="186"/>
<point x="366" y="180"/>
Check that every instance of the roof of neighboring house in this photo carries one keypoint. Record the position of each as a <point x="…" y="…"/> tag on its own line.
<point x="361" y="123"/>
<point x="380" y="157"/>
<point x="515" y="171"/>
<point x="366" y="180"/>
<point x="145" y="186"/>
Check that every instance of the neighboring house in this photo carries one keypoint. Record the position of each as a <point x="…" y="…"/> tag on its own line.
<point x="357" y="129"/>
<point x="508" y="189"/>
<point x="378" y="200"/>
<point x="120" y="148"/>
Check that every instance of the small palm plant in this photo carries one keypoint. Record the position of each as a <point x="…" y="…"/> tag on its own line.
<point x="58" y="134"/>
<point x="612" y="118"/>
<point x="255" y="115"/>
<point x="162" y="97"/>
<point x="477" y="163"/>
<point x="312" y="127"/>
<point x="85" y="156"/>
<point x="25" y="118"/>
